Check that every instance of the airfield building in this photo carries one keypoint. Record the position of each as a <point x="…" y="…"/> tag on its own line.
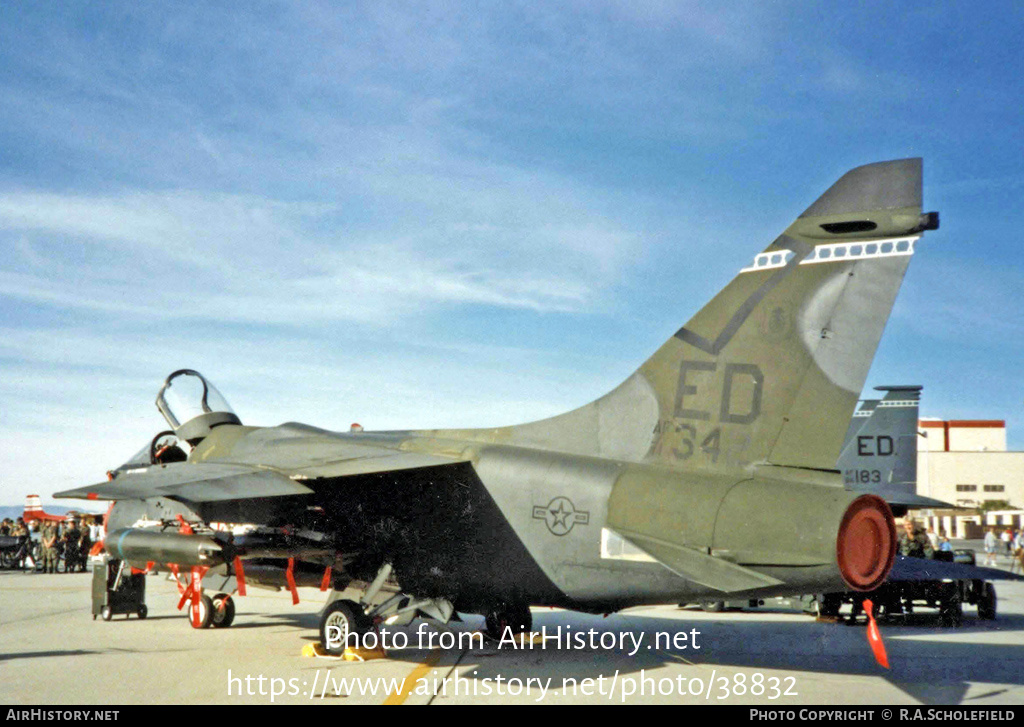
<point x="966" y="462"/>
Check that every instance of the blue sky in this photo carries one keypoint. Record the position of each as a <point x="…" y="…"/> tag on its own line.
<point x="465" y="214"/>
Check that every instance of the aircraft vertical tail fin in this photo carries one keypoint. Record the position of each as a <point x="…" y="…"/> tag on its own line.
<point x="33" y="504"/>
<point x="860" y="418"/>
<point x="882" y="452"/>
<point x="770" y="370"/>
<point x="880" y="456"/>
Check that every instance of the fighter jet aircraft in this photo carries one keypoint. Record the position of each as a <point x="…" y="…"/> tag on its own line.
<point x="709" y="471"/>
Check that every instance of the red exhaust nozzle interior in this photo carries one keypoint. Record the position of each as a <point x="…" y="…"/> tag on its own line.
<point x="866" y="545"/>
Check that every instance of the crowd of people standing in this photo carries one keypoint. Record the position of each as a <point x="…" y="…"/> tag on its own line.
<point x="1007" y="542"/>
<point x="48" y="546"/>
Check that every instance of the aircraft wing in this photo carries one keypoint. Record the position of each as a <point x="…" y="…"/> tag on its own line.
<point x="198" y="482"/>
<point x="926" y="569"/>
<point x="216" y="481"/>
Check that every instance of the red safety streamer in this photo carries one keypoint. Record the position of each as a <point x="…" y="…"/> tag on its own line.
<point x="239" y="576"/>
<point x="174" y="572"/>
<point x="184" y="528"/>
<point x="184" y="590"/>
<point x="197" y="592"/>
<point x="186" y="594"/>
<point x="326" y="582"/>
<point x="875" y="636"/>
<point x="290" y="577"/>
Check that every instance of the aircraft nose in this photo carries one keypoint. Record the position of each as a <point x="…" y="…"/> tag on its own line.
<point x="866" y="544"/>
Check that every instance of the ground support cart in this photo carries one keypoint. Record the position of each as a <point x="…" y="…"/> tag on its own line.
<point x="116" y="590"/>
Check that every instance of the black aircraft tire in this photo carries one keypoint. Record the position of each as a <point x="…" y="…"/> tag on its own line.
<point x="223" y="611"/>
<point x="106" y="613"/>
<point x="951" y="611"/>
<point x="713" y="606"/>
<point x="143" y="611"/>
<point x="345" y="616"/>
<point x="987" y="602"/>
<point x="507" y="616"/>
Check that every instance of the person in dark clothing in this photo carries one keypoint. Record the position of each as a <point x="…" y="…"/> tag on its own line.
<point x="914" y="542"/>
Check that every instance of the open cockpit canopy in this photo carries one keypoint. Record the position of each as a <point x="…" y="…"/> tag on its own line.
<point x="192" y="405"/>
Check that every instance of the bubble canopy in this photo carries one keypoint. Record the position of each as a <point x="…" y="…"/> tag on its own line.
<point x="192" y="405"/>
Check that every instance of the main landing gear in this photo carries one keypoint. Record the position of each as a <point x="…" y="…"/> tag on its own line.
<point x="343" y="622"/>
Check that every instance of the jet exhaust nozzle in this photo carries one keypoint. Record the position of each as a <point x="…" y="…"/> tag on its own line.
<point x="866" y="544"/>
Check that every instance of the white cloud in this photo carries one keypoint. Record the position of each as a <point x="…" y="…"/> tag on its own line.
<point x="454" y="232"/>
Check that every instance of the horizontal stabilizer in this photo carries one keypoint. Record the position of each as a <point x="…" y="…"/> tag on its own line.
<point x="896" y="496"/>
<point x="700" y="567"/>
<point x="926" y="569"/>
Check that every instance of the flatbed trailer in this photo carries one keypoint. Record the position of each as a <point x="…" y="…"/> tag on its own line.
<point x="899" y="598"/>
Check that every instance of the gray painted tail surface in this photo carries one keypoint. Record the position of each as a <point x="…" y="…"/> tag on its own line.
<point x="882" y="453"/>
<point x="859" y="419"/>
<point x="770" y="370"/>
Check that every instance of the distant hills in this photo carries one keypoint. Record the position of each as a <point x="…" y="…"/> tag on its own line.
<point x="16" y="511"/>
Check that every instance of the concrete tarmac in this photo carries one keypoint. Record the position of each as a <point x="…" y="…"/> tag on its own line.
<point x="53" y="652"/>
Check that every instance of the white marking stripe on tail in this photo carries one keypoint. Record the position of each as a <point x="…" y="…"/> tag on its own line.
<point x="837" y="252"/>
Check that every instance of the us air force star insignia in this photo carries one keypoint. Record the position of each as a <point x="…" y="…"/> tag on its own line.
<point x="560" y="515"/>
